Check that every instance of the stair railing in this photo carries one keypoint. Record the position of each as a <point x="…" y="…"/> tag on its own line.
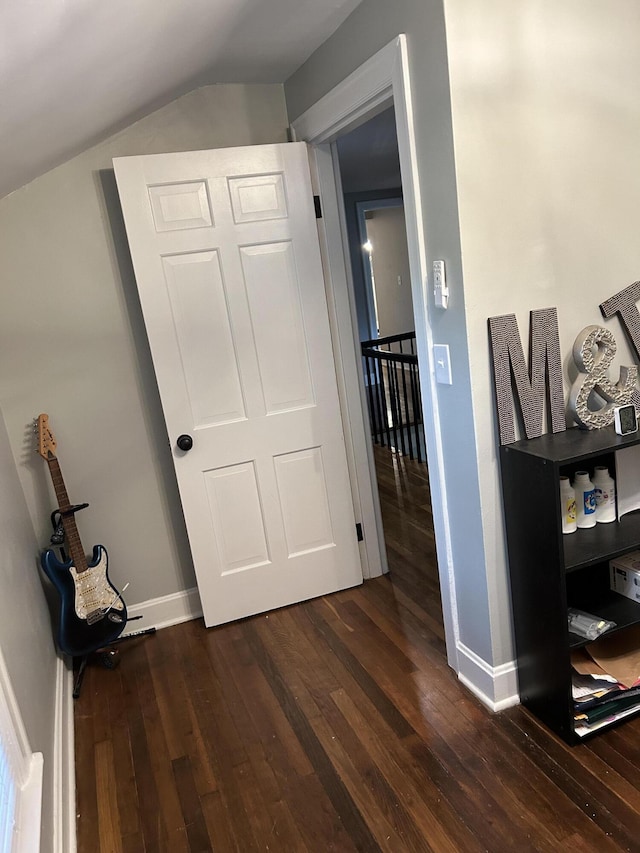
<point x="393" y="394"/>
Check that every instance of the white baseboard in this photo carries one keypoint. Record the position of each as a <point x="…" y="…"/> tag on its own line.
<point x="165" y="611"/>
<point x="64" y="775"/>
<point x="495" y="686"/>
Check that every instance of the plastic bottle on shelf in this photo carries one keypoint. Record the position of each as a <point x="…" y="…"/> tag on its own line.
<point x="585" y="500"/>
<point x="605" y="488"/>
<point x="568" y="506"/>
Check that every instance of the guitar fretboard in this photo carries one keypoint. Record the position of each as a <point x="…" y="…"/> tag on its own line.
<point x="68" y="521"/>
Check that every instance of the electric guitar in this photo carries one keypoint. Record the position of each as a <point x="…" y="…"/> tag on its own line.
<point x="92" y="612"/>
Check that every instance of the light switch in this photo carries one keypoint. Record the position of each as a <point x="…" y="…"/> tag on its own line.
<point x="442" y="364"/>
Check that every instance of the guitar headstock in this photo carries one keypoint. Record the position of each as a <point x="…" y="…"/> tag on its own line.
<point x="46" y="442"/>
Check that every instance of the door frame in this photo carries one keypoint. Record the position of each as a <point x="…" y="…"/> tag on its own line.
<point x="382" y="81"/>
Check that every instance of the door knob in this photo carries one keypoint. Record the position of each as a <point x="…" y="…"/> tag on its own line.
<point x="184" y="442"/>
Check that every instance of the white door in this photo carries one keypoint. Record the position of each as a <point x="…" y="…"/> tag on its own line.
<point x="225" y="251"/>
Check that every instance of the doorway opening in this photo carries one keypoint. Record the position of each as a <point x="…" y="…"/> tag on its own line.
<point x="376" y="231"/>
<point x="368" y="164"/>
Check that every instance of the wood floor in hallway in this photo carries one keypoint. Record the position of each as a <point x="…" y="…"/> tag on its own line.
<point x="336" y="725"/>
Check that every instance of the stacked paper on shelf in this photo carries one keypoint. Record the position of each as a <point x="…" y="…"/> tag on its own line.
<point x="606" y="681"/>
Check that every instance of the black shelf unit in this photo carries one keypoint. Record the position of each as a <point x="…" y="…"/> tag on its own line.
<point x="551" y="571"/>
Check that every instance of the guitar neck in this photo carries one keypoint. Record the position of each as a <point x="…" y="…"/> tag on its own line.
<point x="68" y="521"/>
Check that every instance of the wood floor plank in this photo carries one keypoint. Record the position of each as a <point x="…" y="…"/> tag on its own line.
<point x="359" y="673"/>
<point x="121" y="704"/>
<point x="223" y="742"/>
<point x="108" y="815"/>
<point x="350" y="816"/>
<point x="282" y="748"/>
<point x="194" y="822"/>
<point x="86" y="790"/>
<point x="611" y="818"/>
<point x="158" y="753"/>
<point x="339" y="741"/>
<point x="425" y="819"/>
<point x="171" y="697"/>
<point x="261" y="785"/>
<point x="508" y="762"/>
<point x="430" y="794"/>
<point x="219" y="823"/>
<point x="478" y="801"/>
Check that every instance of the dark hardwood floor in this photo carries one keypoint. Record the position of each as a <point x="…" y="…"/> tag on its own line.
<point x="337" y="725"/>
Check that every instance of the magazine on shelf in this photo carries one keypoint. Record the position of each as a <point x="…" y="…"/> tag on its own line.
<point x="606" y="680"/>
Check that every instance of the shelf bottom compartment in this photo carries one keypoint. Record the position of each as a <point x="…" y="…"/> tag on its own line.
<point x="619" y="652"/>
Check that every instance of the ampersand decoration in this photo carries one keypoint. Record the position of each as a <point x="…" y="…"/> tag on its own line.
<point x="593" y="352"/>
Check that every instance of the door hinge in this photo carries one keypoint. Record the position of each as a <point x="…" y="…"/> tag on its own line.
<point x="318" y="206"/>
<point x="359" y="532"/>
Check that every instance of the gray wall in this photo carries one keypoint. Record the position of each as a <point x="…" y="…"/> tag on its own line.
<point x="25" y="627"/>
<point x="371" y="26"/>
<point x="74" y="345"/>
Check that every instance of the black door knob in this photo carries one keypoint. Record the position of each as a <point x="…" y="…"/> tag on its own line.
<point x="184" y="442"/>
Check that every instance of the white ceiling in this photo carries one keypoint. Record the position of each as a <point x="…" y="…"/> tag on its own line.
<point x="74" y="71"/>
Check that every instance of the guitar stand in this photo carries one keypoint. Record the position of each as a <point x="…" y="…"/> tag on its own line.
<point x="108" y="657"/>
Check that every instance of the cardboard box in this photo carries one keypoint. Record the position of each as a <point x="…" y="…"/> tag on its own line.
<point x="624" y="575"/>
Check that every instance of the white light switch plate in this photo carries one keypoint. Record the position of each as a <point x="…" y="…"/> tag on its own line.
<point x="442" y="364"/>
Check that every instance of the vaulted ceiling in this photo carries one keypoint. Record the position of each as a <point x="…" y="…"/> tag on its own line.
<point x="74" y="71"/>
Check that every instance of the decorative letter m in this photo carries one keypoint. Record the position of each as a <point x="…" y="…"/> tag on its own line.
<point x="544" y="363"/>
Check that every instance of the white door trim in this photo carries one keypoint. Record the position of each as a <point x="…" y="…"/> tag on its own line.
<point x="342" y="319"/>
<point x="380" y="81"/>
<point x="362" y="95"/>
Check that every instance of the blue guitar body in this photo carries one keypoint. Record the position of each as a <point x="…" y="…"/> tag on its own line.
<point x="92" y="614"/>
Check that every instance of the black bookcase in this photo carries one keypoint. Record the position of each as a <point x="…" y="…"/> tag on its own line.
<point x="551" y="571"/>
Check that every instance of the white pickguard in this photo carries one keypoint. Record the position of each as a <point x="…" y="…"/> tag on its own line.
<point x="93" y="591"/>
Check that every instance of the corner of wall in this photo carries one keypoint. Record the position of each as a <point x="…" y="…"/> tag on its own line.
<point x="495" y="686"/>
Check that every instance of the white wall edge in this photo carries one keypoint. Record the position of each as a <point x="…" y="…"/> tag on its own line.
<point x="495" y="686"/>
<point x="29" y="817"/>
<point x="64" y="772"/>
<point x="22" y="772"/>
<point x="165" y="611"/>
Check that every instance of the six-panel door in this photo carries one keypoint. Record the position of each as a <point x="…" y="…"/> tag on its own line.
<point x="224" y="245"/>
